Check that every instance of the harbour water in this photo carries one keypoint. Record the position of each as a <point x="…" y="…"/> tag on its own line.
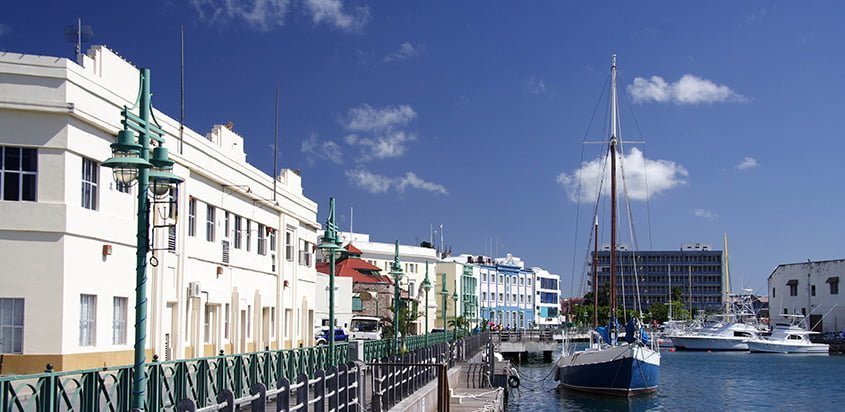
<point x="701" y="381"/>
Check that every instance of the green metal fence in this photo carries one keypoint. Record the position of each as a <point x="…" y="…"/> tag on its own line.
<point x="377" y="349"/>
<point x="201" y="379"/>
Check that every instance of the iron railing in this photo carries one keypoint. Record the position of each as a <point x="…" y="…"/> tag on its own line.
<point x="377" y="349"/>
<point x="201" y="380"/>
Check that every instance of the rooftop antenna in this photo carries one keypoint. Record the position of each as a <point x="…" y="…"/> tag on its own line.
<point x="78" y="34"/>
<point x="276" y="144"/>
<point x="181" y="86"/>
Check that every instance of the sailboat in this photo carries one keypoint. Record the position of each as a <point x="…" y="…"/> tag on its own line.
<point x="611" y="364"/>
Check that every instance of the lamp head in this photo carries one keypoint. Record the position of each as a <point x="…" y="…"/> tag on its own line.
<point x="126" y="160"/>
<point x="162" y="179"/>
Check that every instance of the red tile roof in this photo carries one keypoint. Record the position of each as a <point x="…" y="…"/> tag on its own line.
<point x="359" y="270"/>
<point x="353" y="250"/>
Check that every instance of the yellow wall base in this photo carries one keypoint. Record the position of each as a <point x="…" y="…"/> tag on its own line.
<point x="13" y="364"/>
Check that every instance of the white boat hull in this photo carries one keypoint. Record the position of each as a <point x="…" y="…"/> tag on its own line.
<point x="711" y="343"/>
<point x="762" y="346"/>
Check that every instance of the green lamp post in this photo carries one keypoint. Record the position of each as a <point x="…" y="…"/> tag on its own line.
<point x="427" y="287"/>
<point x="396" y="271"/>
<point x="331" y="250"/>
<point x="444" y="293"/>
<point x="455" y="299"/>
<point x="131" y="163"/>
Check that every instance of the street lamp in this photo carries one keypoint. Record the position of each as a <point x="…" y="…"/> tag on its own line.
<point x="396" y="271"/>
<point x="444" y="293"/>
<point x="331" y="250"/>
<point x="427" y="287"/>
<point x="130" y="164"/>
<point x="455" y="299"/>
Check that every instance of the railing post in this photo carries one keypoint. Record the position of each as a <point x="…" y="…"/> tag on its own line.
<point x="302" y="390"/>
<point x="341" y="382"/>
<point x="124" y="388"/>
<point x="258" y="404"/>
<point x="283" y="398"/>
<point x="320" y="390"/>
<point x="222" y="365"/>
<point x="180" y="381"/>
<point x="201" y="382"/>
<point x="154" y="402"/>
<point x="333" y="387"/>
<point x="253" y="369"/>
<point x="46" y="400"/>
<point x="237" y="384"/>
<point x="268" y="367"/>
<point x="375" y="400"/>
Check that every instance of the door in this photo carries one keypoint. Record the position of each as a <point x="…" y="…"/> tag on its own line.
<point x="816" y="323"/>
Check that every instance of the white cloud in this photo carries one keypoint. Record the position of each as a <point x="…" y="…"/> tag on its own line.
<point x="332" y="12"/>
<point x="369" y="119"/>
<point x="662" y="175"/>
<point x="706" y="214"/>
<point x="535" y="86"/>
<point x="376" y="183"/>
<point x="411" y="180"/>
<point x="5" y="29"/>
<point x="391" y="144"/>
<point x="406" y="51"/>
<point x="371" y="182"/>
<point x="314" y="149"/>
<point x="688" y="90"/>
<point x="747" y="163"/>
<point x="266" y="15"/>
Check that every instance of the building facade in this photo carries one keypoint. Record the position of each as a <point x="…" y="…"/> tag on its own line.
<point x="695" y="269"/>
<point x="463" y="279"/>
<point x="546" y="298"/>
<point x="810" y="289"/>
<point x="507" y="292"/>
<point x="232" y="261"/>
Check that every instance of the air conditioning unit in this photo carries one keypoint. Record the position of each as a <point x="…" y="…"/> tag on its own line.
<point x="194" y="290"/>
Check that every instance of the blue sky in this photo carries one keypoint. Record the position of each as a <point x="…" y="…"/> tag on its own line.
<point x="471" y="114"/>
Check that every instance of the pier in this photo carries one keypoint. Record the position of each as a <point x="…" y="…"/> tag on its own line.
<point x="520" y="343"/>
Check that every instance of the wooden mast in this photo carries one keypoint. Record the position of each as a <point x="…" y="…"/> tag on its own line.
<point x="596" y="273"/>
<point x="613" y="193"/>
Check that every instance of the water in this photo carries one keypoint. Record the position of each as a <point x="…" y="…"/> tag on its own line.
<point x="701" y="381"/>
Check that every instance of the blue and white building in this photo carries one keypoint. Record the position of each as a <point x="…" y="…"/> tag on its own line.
<point x="546" y="298"/>
<point x="507" y="292"/>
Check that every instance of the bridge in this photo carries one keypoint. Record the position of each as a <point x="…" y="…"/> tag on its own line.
<point x="520" y="343"/>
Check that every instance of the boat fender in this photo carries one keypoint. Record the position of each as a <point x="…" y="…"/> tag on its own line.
<point x="513" y="381"/>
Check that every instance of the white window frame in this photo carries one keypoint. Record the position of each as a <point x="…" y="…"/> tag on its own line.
<point x="238" y="229"/>
<point x="90" y="183"/>
<point x="12" y="324"/>
<point x="289" y="239"/>
<point x="87" y="320"/>
<point x="192" y="217"/>
<point x="210" y="222"/>
<point x="262" y="240"/>
<point x="6" y="171"/>
<point x="119" y="317"/>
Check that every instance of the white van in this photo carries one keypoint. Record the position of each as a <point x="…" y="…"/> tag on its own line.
<point x="365" y="328"/>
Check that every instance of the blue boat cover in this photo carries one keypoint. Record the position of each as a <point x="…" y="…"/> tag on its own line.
<point x="630" y="328"/>
<point x="604" y="332"/>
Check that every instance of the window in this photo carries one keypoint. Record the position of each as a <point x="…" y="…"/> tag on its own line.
<point x="18" y="173"/>
<point x="272" y="239"/>
<point x="210" y="218"/>
<point x="262" y="240"/>
<point x="11" y="324"/>
<point x="484" y="296"/>
<point x="118" y="334"/>
<point x="304" y="253"/>
<point x="192" y="217"/>
<point x="484" y="277"/>
<point x="237" y="232"/>
<point x="226" y="321"/>
<point x="357" y="305"/>
<point x="289" y="245"/>
<point x="208" y="325"/>
<point x="248" y="234"/>
<point x="812" y="290"/>
<point x="226" y="224"/>
<point x="833" y="281"/>
<point x="90" y="179"/>
<point x="87" y="320"/>
<point x="773" y="292"/>
<point x="793" y="287"/>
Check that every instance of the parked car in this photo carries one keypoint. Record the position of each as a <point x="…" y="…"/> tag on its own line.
<point x="340" y="335"/>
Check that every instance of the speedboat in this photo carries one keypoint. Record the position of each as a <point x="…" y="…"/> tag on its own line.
<point x="727" y="336"/>
<point x="788" y="338"/>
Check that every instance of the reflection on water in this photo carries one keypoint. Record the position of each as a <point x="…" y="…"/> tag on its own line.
<point x="700" y="381"/>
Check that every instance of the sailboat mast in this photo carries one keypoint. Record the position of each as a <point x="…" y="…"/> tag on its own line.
<point x="596" y="273"/>
<point x="727" y="279"/>
<point x="613" y="191"/>
<point x="669" y="270"/>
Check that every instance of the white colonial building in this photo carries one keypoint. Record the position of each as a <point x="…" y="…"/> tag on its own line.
<point x="810" y="289"/>
<point x="233" y="265"/>
<point x="413" y="260"/>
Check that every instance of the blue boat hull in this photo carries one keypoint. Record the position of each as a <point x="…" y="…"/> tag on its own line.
<point x="625" y="377"/>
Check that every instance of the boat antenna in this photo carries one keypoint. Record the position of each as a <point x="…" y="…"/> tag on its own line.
<point x="613" y="192"/>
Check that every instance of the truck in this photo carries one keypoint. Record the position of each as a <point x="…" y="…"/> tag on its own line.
<point x="365" y="328"/>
